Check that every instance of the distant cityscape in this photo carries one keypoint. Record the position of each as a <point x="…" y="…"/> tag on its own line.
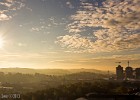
<point x="128" y="73"/>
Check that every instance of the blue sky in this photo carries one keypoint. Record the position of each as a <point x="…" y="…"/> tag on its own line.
<point x="69" y="33"/>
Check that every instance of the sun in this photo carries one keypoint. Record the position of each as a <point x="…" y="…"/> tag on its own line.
<point x="1" y="42"/>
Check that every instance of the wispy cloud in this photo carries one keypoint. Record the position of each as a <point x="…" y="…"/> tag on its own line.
<point x="47" y="23"/>
<point x="69" y="4"/>
<point x="119" y="24"/>
<point x="119" y="57"/>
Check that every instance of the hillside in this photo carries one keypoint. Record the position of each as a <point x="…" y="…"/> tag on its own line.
<point x="49" y="71"/>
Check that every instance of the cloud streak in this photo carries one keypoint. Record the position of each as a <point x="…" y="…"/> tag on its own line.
<point x="119" y="57"/>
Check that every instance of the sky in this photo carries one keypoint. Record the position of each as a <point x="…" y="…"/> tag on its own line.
<point x="69" y="34"/>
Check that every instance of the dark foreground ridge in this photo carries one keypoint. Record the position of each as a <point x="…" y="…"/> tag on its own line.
<point x="112" y="97"/>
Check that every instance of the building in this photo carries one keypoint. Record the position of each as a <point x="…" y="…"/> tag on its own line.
<point x="137" y="73"/>
<point x="119" y="72"/>
<point x="129" y="72"/>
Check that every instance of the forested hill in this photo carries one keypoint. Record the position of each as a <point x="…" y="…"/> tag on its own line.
<point x="49" y="71"/>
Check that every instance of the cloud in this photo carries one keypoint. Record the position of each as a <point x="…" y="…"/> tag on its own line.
<point x="69" y="4"/>
<point x="19" y="56"/>
<point x="4" y="17"/>
<point x="118" y="22"/>
<point x="48" y="23"/>
<point x="6" y="4"/>
<point x="55" y="61"/>
<point x="9" y="5"/>
<point x="119" y="57"/>
<point x="40" y="28"/>
<point x="35" y="29"/>
<point x="52" y="20"/>
<point x="20" y="60"/>
<point x="22" y="44"/>
<point x="73" y="41"/>
<point x="30" y="9"/>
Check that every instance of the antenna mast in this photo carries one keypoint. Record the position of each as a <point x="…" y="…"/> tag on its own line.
<point x="128" y="63"/>
<point x="118" y="63"/>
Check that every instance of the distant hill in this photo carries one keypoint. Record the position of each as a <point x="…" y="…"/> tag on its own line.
<point x="86" y="70"/>
<point x="49" y="71"/>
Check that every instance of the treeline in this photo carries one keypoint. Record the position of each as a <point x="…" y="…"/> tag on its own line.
<point x="80" y="89"/>
<point x="22" y="83"/>
<point x="23" y="78"/>
<point x="30" y="78"/>
<point x="49" y="71"/>
<point x="66" y="87"/>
